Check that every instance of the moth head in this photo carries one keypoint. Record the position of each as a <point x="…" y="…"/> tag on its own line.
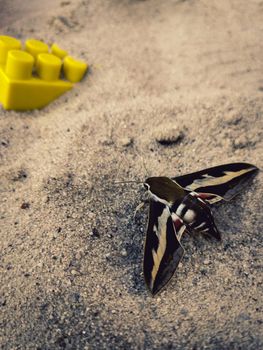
<point x="146" y="185"/>
<point x="164" y="188"/>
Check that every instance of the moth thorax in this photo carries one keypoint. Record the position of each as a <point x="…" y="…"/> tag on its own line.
<point x="164" y="189"/>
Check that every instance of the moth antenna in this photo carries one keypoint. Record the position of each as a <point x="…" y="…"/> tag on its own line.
<point x="145" y="167"/>
<point x="128" y="182"/>
<point x="143" y="163"/>
<point x="123" y="159"/>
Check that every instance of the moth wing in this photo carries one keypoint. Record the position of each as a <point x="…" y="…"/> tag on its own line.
<point x="163" y="251"/>
<point x="219" y="182"/>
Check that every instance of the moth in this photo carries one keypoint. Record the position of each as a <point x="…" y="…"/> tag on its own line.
<point x="181" y="204"/>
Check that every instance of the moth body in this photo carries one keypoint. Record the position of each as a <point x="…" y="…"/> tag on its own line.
<point x="183" y="204"/>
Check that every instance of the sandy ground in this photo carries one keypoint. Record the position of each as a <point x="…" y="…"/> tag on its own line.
<point x="71" y="260"/>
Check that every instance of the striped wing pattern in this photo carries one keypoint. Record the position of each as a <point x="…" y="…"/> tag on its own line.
<point x="217" y="183"/>
<point x="163" y="250"/>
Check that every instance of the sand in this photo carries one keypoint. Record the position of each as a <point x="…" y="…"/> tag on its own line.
<point x="71" y="250"/>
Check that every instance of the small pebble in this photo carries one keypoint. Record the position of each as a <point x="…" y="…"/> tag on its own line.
<point x="241" y="142"/>
<point x="184" y="311"/>
<point x="4" y="143"/>
<point x="233" y="117"/>
<point x="168" y="135"/>
<point x="95" y="232"/>
<point x="124" y="252"/>
<point x="125" y="141"/>
<point x="21" y="175"/>
<point x="25" y="205"/>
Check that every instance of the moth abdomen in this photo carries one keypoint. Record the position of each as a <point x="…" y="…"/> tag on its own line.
<point x="196" y="214"/>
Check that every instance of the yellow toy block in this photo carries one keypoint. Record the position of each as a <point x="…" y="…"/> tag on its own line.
<point x="57" y="51"/>
<point x="35" y="47"/>
<point x="74" y="70"/>
<point x="7" y="43"/>
<point x="31" y="78"/>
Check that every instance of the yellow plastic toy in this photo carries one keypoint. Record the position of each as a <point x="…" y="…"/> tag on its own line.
<point x="31" y="78"/>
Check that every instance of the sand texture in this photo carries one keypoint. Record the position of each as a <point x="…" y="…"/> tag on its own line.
<point x="71" y="250"/>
